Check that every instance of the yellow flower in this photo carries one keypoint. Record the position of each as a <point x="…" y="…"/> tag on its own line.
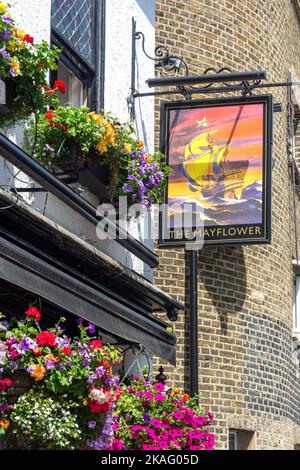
<point x="12" y="45"/>
<point x="15" y="65"/>
<point x="127" y="148"/>
<point x="2" y="7"/>
<point x="141" y="144"/>
<point x="4" y="424"/>
<point x="20" y="33"/>
<point x="38" y="373"/>
<point x="102" y="147"/>
<point x="85" y="403"/>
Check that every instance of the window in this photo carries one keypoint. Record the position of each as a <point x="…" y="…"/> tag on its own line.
<point x="78" y="30"/>
<point x="241" y="440"/>
<point x="297" y="305"/>
<point x="232" y="440"/>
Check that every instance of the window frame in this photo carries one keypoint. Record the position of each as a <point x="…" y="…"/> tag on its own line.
<point x="92" y="76"/>
<point x="235" y="439"/>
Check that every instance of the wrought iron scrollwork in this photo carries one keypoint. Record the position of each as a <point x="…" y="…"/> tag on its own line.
<point x="164" y="61"/>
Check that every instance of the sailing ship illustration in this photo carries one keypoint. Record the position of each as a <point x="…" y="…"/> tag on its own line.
<point x="208" y="170"/>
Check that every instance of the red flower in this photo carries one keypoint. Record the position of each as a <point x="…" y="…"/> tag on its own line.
<point x="33" y="313"/>
<point x="49" y="90"/>
<point x="96" y="344"/>
<point x="60" y="86"/>
<point x="46" y="338"/>
<point x="53" y="124"/>
<point x="50" y="114"/>
<point x="96" y="408"/>
<point x="28" y="38"/>
<point x="4" y="384"/>
<point x="66" y="350"/>
<point x="13" y="354"/>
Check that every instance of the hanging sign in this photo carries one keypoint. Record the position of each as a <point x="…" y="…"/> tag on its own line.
<point x="219" y="151"/>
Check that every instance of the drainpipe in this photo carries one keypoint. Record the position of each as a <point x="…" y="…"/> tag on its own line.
<point x="194" y="353"/>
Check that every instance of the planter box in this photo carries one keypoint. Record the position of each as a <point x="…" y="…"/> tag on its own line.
<point x="7" y="95"/>
<point x="86" y="170"/>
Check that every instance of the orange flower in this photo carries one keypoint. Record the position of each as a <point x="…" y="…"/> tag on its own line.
<point x="51" y="357"/>
<point x="4" y="424"/>
<point x="141" y="144"/>
<point x="148" y="158"/>
<point x="176" y="391"/>
<point x="98" y="118"/>
<point x="38" y="373"/>
<point x="102" y="147"/>
<point x="111" y="135"/>
<point x="37" y="351"/>
<point x="185" y="397"/>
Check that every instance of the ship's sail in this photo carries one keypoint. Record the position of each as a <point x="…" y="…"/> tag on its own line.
<point x="208" y="171"/>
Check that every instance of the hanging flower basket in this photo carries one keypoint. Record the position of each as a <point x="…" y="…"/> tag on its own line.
<point x="84" y="168"/>
<point x="101" y="153"/>
<point x="21" y="384"/>
<point x="8" y="94"/>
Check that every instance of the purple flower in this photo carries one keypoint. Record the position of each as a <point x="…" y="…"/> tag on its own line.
<point x="80" y="321"/>
<point x="4" y="53"/>
<point x="13" y="73"/>
<point x="112" y="381"/>
<point x="159" y="176"/>
<point x="30" y="369"/>
<point x="141" y="187"/>
<point x="6" y="34"/>
<point x="92" y="378"/>
<point x="133" y="154"/>
<point x="127" y="188"/>
<point x="6" y="19"/>
<point x="92" y="329"/>
<point x="50" y="364"/>
<point x="92" y="424"/>
<point x="146" y="418"/>
<point x="25" y="345"/>
<point x="99" y="372"/>
<point x="131" y="177"/>
<point x="13" y="365"/>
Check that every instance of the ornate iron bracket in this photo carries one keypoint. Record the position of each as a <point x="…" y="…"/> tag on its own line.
<point x="173" y="65"/>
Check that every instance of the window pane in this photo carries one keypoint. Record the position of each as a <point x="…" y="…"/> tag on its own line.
<point x="74" y="20"/>
<point x="75" y="89"/>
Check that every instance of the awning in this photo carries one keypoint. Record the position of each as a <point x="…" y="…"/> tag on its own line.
<point x="25" y="270"/>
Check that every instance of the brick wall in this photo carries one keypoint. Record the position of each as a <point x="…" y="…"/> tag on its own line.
<point x="247" y="375"/>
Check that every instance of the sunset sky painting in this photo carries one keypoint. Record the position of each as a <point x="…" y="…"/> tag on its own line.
<point x="216" y="156"/>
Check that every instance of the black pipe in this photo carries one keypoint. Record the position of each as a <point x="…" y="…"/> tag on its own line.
<point x="38" y="173"/>
<point x="194" y="353"/>
<point x="207" y="78"/>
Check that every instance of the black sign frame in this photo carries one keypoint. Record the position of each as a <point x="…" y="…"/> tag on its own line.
<point x="224" y="234"/>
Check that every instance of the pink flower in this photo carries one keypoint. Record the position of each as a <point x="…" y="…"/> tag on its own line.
<point x="151" y="433"/>
<point x="178" y="415"/>
<point x="165" y="423"/>
<point x="156" y="423"/>
<point x="137" y="428"/>
<point x="159" y="387"/>
<point x="160" y="397"/>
